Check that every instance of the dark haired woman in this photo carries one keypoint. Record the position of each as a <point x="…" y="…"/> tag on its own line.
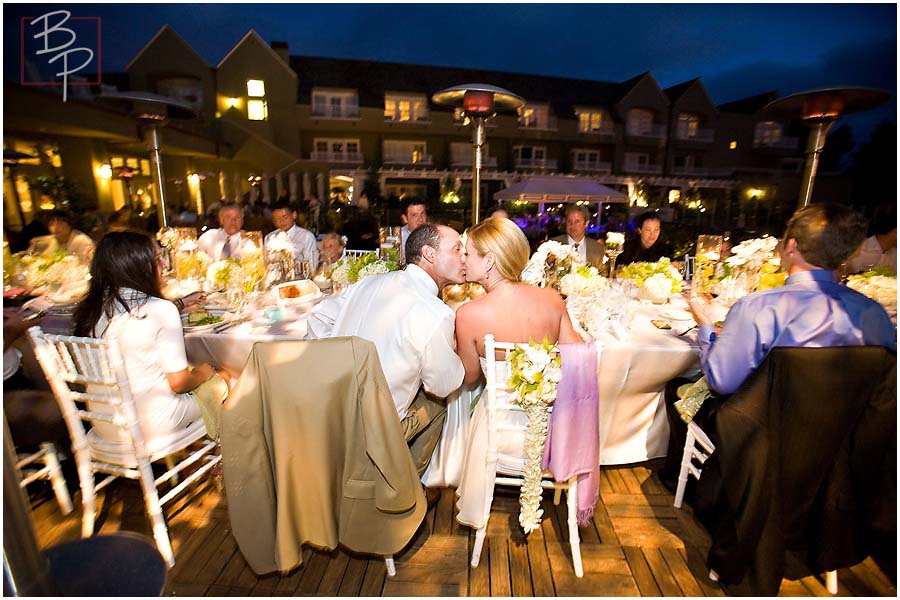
<point x="124" y="302"/>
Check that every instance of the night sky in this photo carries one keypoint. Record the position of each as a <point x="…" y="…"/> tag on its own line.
<point x="737" y="50"/>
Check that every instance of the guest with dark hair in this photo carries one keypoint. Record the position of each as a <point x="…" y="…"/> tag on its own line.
<point x="879" y="250"/>
<point x="125" y="302"/>
<point x="413" y="216"/>
<point x="649" y="245"/>
<point x="301" y="242"/>
<point x="121" y="220"/>
<point x="63" y="235"/>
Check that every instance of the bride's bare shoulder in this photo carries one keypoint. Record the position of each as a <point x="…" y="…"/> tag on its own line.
<point x="544" y="296"/>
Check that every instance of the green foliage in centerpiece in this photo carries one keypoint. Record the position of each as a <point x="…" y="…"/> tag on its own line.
<point x="352" y="269"/>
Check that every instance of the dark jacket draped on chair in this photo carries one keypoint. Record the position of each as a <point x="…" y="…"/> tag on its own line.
<point x="313" y="453"/>
<point x="804" y="467"/>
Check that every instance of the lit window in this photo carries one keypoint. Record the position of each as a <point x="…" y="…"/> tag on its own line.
<point x="257" y="110"/>
<point x="732" y="145"/>
<point x="405" y="108"/>
<point x="589" y="121"/>
<point x="256" y="88"/>
<point x="674" y="196"/>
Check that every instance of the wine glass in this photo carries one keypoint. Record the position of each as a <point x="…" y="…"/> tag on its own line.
<point x="612" y="252"/>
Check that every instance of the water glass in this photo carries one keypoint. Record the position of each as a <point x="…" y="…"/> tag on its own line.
<point x="709" y="252"/>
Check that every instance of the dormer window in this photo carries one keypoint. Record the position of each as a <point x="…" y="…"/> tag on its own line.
<point x="591" y="120"/>
<point x="335" y="104"/>
<point x="640" y="121"/>
<point x="534" y="116"/>
<point x="767" y="133"/>
<point x="257" y="109"/>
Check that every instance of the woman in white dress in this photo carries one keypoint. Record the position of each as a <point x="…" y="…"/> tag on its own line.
<point x="496" y="254"/>
<point x="125" y="301"/>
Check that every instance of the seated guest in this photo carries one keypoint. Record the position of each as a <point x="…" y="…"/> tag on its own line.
<point x="880" y="250"/>
<point x="121" y="220"/>
<point x="500" y="213"/>
<point x="592" y="251"/>
<point x="301" y="241"/>
<point x="403" y="314"/>
<point x="648" y="246"/>
<point x="332" y="249"/>
<point x="413" y="216"/>
<point x="64" y="235"/>
<point x="361" y="226"/>
<point x="224" y="241"/>
<point x="125" y="301"/>
<point x="811" y="310"/>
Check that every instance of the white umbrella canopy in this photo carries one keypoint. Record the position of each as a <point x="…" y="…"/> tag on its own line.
<point x="560" y="189"/>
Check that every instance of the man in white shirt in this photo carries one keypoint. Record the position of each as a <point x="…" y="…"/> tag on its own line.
<point x="287" y="233"/>
<point x="224" y="242"/>
<point x="591" y="250"/>
<point x="402" y="313"/>
<point x="880" y="250"/>
<point x="413" y="217"/>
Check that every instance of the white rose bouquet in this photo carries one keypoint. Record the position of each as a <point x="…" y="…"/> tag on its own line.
<point x="535" y="375"/>
<point x="752" y="266"/>
<point x="664" y="279"/>
<point x="350" y="270"/>
<point x="550" y="263"/>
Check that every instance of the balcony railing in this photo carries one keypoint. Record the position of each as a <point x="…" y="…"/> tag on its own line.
<point x="535" y="163"/>
<point x="407" y="159"/>
<point x="635" y="167"/>
<point x="698" y="171"/>
<point x="336" y="113"/>
<point x="338" y="157"/>
<point x="604" y="129"/>
<point x="592" y="165"/>
<point x="785" y="143"/>
<point x="466" y="161"/>
<point x="426" y="118"/>
<point x="655" y="131"/>
<point x="697" y="135"/>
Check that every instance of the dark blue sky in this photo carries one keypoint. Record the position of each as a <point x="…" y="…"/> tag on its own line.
<point x="737" y="50"/>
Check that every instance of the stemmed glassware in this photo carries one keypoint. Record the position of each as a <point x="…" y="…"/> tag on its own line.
<point x="709" y="252"/>
<point x="614" y="242"/>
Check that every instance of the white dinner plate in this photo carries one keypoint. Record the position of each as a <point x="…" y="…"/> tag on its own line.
<point x="198" y="328"/>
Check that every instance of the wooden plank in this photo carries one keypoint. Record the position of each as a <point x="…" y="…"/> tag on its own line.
<point x="641" y="571"/>
<point x="499" y="567"/>
<point x="869" y="571"/>
<point x="539" y="562"/>
<point x="405" y="589"/>
<point x="480" y="576"/>
<point x="815" y="587"/>
<point x="334" y="572"/>
<point x="520" y="573"/>
<point x="853" y="584"/>
<point x="683" y="576"/>
<point x="661" y="573"/>
<point x="637" y="500"/>
<point x="615" y="481"/>
<point x="185" y="589"/>
<point x="605" y="568"/>
<point x="632" y="483"/>
<point x="604" y="526"/>
<point x="313" y="572"/>
<point x="185" y="563"/>
<point x="265" y="584"/>
<point x="289" y="583"/>
<point x="792" y="589"/>
<point x="696" y="561"/>
<point x="444" y="513"/>
<point x="373" y="582"/>
<point x="218" y="559"/>
<point x="353" y="577"/>
<point x="605" y="485"/>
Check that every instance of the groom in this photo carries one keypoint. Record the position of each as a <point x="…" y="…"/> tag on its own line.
<point x="412" y="328"/>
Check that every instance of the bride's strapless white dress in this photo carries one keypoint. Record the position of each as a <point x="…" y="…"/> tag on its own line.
<point x="477" y="476"/>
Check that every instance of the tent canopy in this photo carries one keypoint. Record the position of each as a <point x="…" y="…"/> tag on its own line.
<point x="559" y="189"/>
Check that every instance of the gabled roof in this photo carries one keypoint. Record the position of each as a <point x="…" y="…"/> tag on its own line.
<point x="163" y="29"/>
<point x="373" y="79"/>
<point x="626" y="87"/>
<point x="677" y="91"/>
<point x="750" y="105"/>
<point x="252" y="35"/>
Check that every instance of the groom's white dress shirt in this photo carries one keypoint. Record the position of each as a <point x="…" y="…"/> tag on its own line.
<point x="301" y="240"/>
<point x="213" y="241"/>
<point x="411" y="328"/>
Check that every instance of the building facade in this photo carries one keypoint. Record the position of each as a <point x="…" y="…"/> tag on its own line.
<point x="273" y="125"/>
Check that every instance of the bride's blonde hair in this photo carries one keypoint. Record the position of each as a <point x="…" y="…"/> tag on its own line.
<point x="505" y="241"/>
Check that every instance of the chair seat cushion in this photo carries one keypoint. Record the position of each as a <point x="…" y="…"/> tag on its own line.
<point x="118" y="453"/>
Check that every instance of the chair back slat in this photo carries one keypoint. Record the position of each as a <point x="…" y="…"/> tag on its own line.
<point x="358" y="253"/>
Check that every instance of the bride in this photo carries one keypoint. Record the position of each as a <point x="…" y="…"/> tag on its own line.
<point x="496" y="253"/>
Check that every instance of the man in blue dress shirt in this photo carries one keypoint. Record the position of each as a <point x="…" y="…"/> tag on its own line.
<point x="812" y="309"/>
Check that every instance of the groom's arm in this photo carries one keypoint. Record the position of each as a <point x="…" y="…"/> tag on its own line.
<point x="442" y="371"/>
<point x="322" y="318"/>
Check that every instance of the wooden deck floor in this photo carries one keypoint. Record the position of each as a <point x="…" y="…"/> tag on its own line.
<point x="637" y="545"/>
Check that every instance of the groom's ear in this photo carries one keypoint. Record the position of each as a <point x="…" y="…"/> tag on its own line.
<point x="428" y="253"/>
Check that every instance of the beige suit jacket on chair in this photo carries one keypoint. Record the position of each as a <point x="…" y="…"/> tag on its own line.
<point x="313" y="453"/>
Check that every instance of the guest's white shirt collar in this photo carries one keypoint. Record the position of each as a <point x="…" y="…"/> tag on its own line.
<point x="423" y="279"/>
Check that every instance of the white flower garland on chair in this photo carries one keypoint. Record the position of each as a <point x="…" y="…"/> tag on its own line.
<point x="535" y="375"/>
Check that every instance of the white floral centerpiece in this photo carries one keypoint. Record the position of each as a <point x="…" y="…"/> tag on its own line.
<point x="350" y="270"/>
<point x="550" y="263"/>
<point x="752" y="266"/>
<point x="225" y="274"/>
<point x="879" y="285"/>
<point x="583" y="280"/>
<point x="607" y="311"/>
<point x="535" y="374"/>
<point x="656" y="281"/>
<point x="43" y="272"/>
<point x="614" y="240"/>
<point x="190" y="262"/>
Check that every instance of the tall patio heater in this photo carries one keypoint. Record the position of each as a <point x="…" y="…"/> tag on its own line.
<point x="479" y="103"/>
<point x="819" y="109"/>
<point x="153" y="112"/>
